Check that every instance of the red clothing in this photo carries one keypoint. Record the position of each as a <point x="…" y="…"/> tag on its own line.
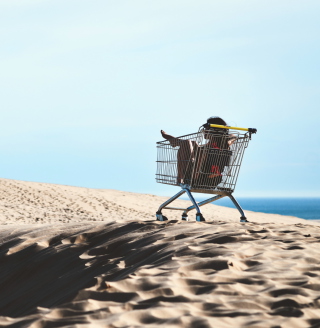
<point x="214" y="168"/>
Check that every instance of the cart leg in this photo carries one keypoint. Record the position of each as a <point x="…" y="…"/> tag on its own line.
<point x="184" y="216"/>
<point x="207" y="201"/>
<point x="243" y="217"/>
<point x="199" y="216"/>
<point x="159" y="215"/>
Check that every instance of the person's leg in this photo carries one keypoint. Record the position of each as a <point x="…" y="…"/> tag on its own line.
<point x="174" y="142"/>
<point x="166" y="135"/>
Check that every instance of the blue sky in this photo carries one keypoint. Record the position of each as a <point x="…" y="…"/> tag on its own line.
<point x="85" y="87"/>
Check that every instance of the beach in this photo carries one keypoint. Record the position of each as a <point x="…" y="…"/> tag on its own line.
<point x="79" y="257"/>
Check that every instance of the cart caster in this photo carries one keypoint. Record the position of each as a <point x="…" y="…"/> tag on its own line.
<point x="185" y="217"/>
<point x="243" y="219"/>
<point x="161" y="217"/>
<point x="199" y="217"/>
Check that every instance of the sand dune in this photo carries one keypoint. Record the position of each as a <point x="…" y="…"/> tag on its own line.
<point x="30" y="202"/>
<point x="100" y="261"/>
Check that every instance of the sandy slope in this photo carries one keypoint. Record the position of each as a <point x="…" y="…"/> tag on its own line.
<point x="132" y="271"/>
<point x="30" y="202"/>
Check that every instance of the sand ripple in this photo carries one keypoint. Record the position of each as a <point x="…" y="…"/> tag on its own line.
<point x="147" y="273"/>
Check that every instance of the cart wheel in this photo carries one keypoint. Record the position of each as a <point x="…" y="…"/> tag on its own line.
<point x="185" y="217"/>
<point x="161" y="217"/>
<point x="199" y="217"/>
<point x="243" y="219"/>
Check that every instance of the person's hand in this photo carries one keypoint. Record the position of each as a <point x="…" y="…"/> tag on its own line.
<point x="233" y="138"/>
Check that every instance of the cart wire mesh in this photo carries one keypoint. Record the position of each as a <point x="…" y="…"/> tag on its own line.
<point x="207" y="161"/>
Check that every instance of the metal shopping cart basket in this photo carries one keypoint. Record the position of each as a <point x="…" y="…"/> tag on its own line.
<point x="207" y="161"/>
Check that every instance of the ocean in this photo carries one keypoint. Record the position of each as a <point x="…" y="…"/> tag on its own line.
<point x="305" y="208"/>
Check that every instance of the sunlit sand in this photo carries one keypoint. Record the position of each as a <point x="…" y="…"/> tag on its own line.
<point x="81" y="257"/>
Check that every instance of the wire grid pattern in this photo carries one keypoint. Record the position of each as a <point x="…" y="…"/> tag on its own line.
<point x="206" y="161"/>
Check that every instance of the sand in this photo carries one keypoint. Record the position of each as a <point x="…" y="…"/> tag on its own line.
<point x="78" y="257"/>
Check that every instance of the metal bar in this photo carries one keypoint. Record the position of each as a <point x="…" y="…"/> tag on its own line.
<point x="170" y="200"/>
<point x="237" y="205"/>
<point x="193" y="200"/>
<point x="204" y="202"/>
<point x="184" y="136"/>
<point x="232" y="128"/>
<point x="174" y="208"/>
<point x="227" y="127"/>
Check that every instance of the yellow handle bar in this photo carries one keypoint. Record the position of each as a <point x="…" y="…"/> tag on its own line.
<point x="251" y="130"/>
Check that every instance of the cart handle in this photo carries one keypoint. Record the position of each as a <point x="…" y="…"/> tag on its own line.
<point x="251" y="130"/>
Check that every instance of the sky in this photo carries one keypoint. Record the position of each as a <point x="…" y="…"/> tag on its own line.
<point x="86" y="86"/>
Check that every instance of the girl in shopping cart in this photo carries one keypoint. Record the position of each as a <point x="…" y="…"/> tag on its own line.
<point x="206" y="162"/>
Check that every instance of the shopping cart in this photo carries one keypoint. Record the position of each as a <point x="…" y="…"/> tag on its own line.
<point x="207" y="161"/>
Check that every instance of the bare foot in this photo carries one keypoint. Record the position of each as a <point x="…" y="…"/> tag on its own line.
<point x="165" y="135"/>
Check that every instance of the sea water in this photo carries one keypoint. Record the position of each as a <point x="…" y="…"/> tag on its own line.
<point x="305" y="208"/>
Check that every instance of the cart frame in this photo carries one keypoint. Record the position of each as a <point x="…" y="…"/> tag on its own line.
<point x="197" y="182"/>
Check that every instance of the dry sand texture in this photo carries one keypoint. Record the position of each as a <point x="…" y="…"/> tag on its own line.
<point x="131" y="271"/>
<point x="30" y="202"/>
